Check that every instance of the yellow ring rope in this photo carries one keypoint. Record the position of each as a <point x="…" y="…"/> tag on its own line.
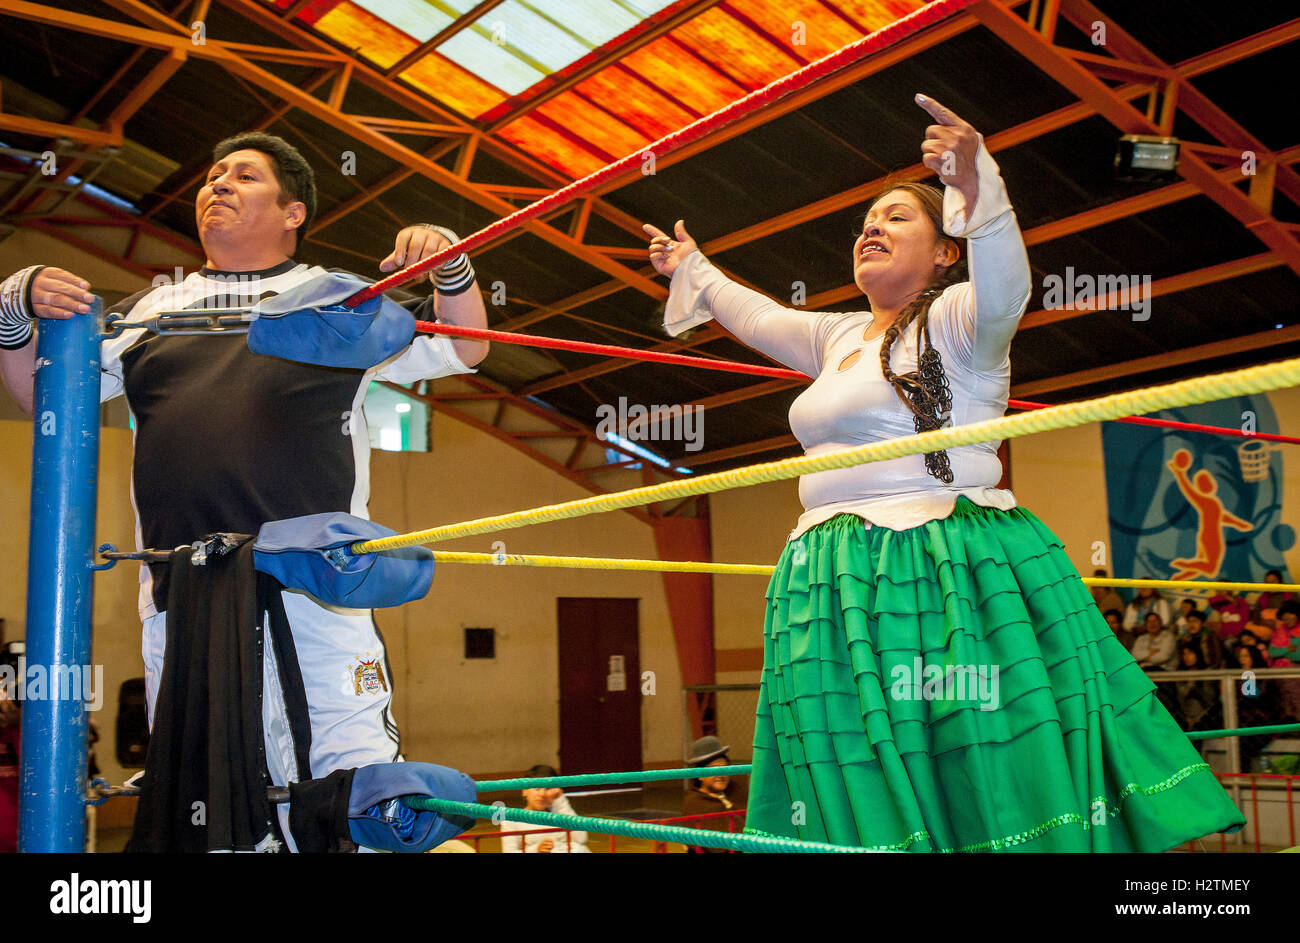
<point x="602" y="563"/>
<point x="763" y="569"/>
<point x="1135" y="402"/>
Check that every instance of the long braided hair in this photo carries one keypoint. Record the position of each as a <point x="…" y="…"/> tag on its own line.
<point x="925" y="390"/>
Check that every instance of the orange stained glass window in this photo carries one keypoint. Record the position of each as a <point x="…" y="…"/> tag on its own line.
<point x="806" y="26"/>
<point x="683" y="76"/>
<point x="446" y="82"/>
<point x="597" y="127"/>
<point x="735" y="48"/>
<point x="639" y="103"/>
<point x="359" y="29"/>
<point x="551" y="147"/>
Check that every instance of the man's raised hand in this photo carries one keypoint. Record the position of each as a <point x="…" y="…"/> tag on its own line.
<point x="413" y="244"/>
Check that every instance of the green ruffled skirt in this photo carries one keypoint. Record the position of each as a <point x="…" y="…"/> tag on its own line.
<point x="953" y="687"/>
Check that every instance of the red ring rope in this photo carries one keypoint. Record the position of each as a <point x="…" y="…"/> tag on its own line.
<point x="754" y="101"/>
<point x="731" y="366"/>
<point x="607" y="350"/>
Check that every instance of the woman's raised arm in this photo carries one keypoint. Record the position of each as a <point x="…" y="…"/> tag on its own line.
<point x="982" y="314"/>
<point x="699" y="292"/>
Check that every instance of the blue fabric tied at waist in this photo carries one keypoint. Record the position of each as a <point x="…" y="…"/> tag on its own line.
<point x="308" y="324"/>
<point x="377" y="818"/>
<point x="311" y="554"/>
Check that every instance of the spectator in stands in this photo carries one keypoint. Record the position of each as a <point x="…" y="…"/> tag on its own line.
<point x="1115" y="619"/>
<point x="544" y="800"/>
<point x="1156" y="649"/>
<point x="1234" y="613"/>
<point x="713" y="793"/>
<point x="1258" y="705"/>
<point x="1284" y="647"/>
<point x="1207" y="643"/>
<point x="1264" y="610"/>
<point x="1248" y="639"/>
<point x="1105" y="596"/>
<point x="1284" y="652"/>
<point x="1146" y="601"/>
<point x="1198" y="700"/>
<point x="1180" y="621"/>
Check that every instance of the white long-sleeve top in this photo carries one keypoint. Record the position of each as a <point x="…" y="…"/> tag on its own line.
<point x="574" y="842"/>
<point x="971" y="325"/>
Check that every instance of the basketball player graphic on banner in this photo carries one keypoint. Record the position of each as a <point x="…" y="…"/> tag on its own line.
<point x="1188" y="506"/>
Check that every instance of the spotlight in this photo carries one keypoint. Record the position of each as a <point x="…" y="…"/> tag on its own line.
<point x="1146" y="157"/>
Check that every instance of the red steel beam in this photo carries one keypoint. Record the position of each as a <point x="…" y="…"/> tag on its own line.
<point x="287" y="91"/>
<point x="1070" y="75"/>
<point x="1010" y="137"/>
<point x="1191" y="101"/>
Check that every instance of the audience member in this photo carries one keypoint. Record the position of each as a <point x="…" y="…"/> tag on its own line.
<point x="1258" y="705"/>
<point x="1146" y="601"/>
<point x="1267" y="602"/>
<point x="713" y="793"/>
<point x="1156" y="649"/>
<point x="1234" y="613"/>
<point x="1248" y="639"/>
<point x="1105" y="596"/>
<point x="1115" y="619"/>
<point x="1284" y="652"/>
<point x="1284" y="647"/>
<point x="1198" y="700"/>
<point x="1207" y="643"/>
<point x="1180" y="621"/>
<point x="543" y="800"/>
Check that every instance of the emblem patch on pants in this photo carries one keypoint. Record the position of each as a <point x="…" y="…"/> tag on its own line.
<point x="368" y="677"/>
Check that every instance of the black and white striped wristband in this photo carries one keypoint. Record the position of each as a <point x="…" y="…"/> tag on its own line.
<point x="457" y="275"/>
<point x="16" y="308"/>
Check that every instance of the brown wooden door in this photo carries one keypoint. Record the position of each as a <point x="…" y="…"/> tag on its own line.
<point x="600" y="685"/>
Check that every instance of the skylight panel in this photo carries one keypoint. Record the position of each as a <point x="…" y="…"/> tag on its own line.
<point x="596" y="21"/>
<point x="537" y="38"/>
<point x="416" y="18"/>
<point x="494" y="63"/>
<point x="645" y="8"/>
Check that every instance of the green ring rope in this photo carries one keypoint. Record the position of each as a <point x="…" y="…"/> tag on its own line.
<point x="647" y="830"/>
<point x="1240" y="731"/>
<point x="600" y="779"/>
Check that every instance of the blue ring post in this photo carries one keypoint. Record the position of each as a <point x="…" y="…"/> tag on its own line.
<point x="65" y="465"/>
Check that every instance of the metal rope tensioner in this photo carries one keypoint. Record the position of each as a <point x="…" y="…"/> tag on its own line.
<point x="215" y="545"/>
<point x="187" y="321"/>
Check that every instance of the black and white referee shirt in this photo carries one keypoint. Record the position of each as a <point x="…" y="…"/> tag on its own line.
<point x="225" y="439"/>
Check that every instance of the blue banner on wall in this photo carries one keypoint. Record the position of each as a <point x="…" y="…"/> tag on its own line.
<point x="1190" y="505"/>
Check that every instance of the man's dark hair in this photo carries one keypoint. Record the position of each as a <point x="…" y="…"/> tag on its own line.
<point x="1118" y="615"/>
<point x="293" y="173"/>
<point x="540" y="770"/>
